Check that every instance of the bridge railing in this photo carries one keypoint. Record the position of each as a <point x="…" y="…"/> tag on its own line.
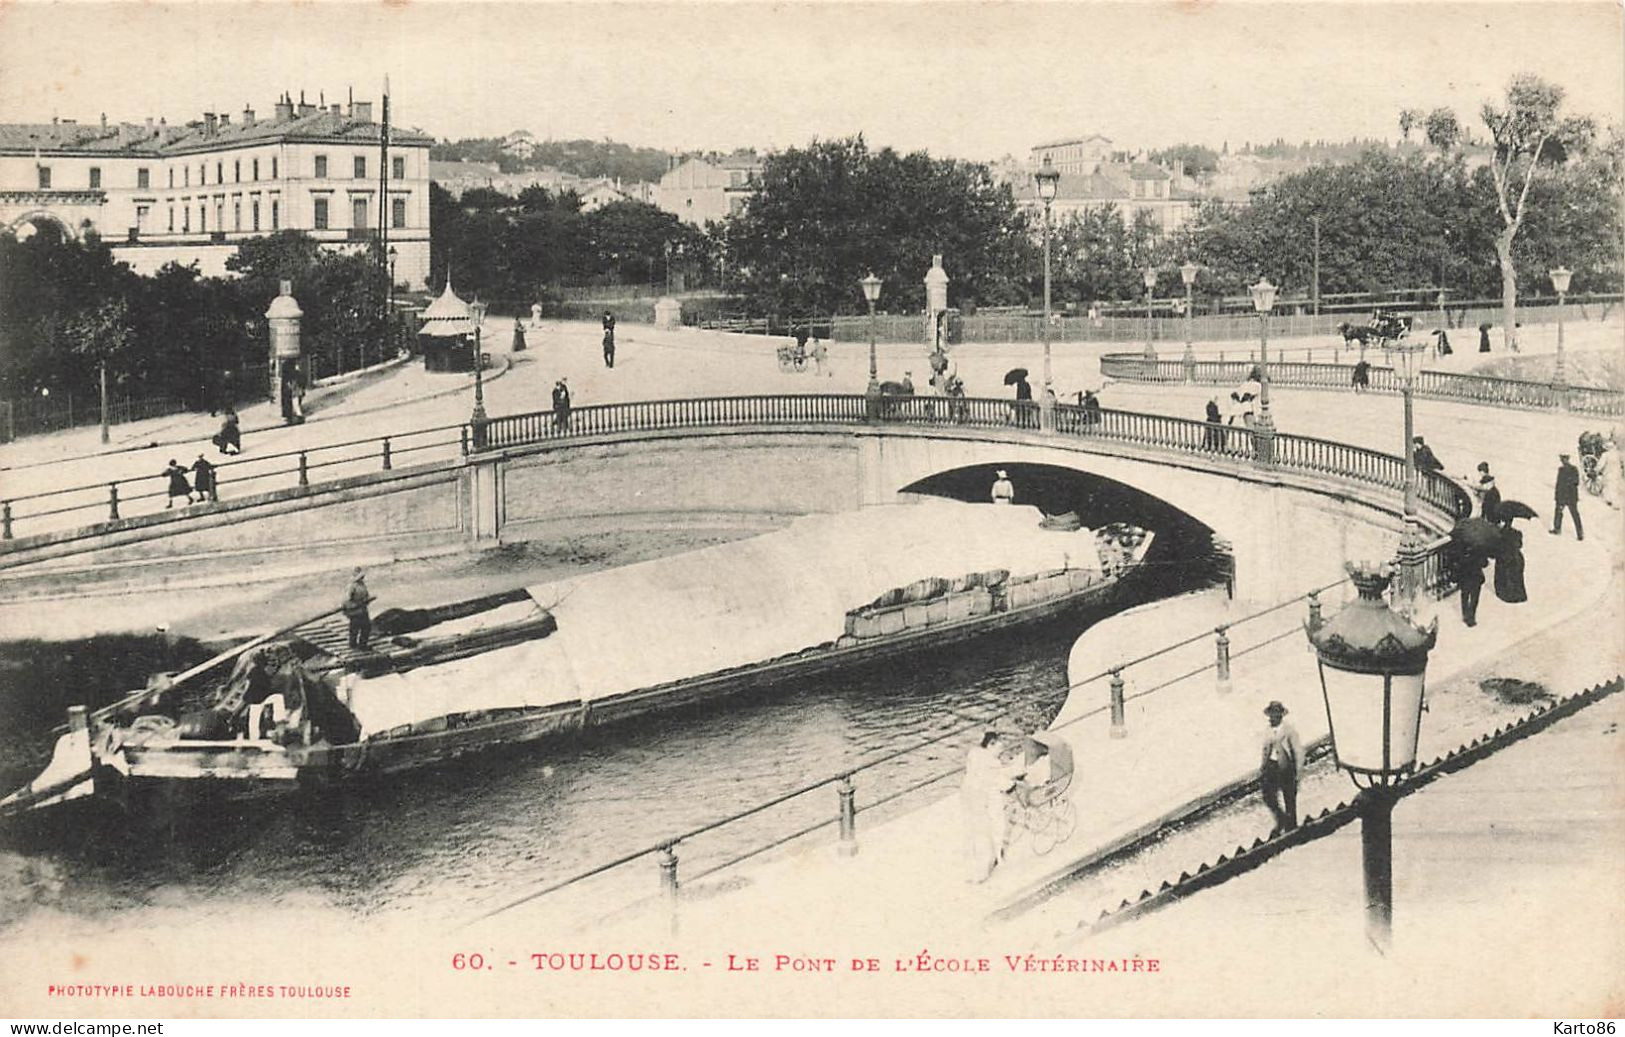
<point x="117" y="499"/>
<point x="1443" y="385"/>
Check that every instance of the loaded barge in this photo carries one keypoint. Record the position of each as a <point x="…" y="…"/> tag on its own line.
<point x="302" y="707"/>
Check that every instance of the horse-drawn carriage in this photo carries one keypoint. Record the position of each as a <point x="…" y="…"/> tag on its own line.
<point x="1383" y="330"/>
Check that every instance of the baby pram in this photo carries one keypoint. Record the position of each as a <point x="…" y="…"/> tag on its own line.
<point x="1043" y="809"/>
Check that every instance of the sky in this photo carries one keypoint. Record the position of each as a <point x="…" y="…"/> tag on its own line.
<point x="970" y="80"/>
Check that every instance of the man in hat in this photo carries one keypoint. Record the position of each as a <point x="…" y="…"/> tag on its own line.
<point x="1279" y="764"/>
<point x="1004" y="491"/>
<point x="1426" y="460"/>
<point x="561" y="405"/>
<point x="203" y="480"/>
<point x="1567" y="496"/>
<point x="356" y="600"/>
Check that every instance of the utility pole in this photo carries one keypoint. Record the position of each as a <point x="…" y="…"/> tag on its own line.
<point x="1316" y="295"/>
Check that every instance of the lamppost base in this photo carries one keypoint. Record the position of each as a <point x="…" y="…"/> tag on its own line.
<point x="1188" y="364"/>
<point x="1046" y="411"/>
<point x="1264" y="439"/>
<point x="871" y="401"/>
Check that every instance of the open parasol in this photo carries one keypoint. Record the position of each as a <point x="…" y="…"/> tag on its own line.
<point x="1477" y="535"/>
<point x="1515" y="509"/>
<point x="1014" y="375"/>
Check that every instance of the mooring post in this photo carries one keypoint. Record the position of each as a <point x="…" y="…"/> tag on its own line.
<point x="1221" y="660"/>
<point x="849" y="817"/>
<point x="112" y="500"/>
<point x="5" y="521"/>
<point x="668" y="879"/>
<point x="386" y="454"/>
<point x="304" y="469"/>
<point x="1118" y="730"/>
<point x="1314" y="608"/>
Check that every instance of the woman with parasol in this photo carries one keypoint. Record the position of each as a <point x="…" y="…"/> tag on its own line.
<point x="1017" y="376"/>
<point x="1509" y="562"/>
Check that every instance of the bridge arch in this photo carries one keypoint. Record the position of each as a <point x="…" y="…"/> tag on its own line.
<point x="37" y="218"/>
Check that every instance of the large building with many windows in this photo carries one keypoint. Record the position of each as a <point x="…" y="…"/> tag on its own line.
<point x="158" y="193"/>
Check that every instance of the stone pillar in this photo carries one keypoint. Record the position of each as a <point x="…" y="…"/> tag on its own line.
<point x="668" y="314"/>
<point x="936" y="298"/>
<point x="283" y="317"/>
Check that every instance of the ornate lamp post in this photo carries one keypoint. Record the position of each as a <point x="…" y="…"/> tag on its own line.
<point x="1187" y="273"/>
<point x="1264" y="425"/>
<point x="871" y="395"/>
<point x="1373" y="662"/>
<point x="1150" y="278"/>
<point x="1560" y="284"/>
<point x="1412" y="544"/>
<point x="389" y="312"/>
<point x="1048" y="182"/>
<point x="477" y="420"/>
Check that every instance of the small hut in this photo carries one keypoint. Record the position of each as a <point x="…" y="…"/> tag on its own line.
<point x="446" y="333"/>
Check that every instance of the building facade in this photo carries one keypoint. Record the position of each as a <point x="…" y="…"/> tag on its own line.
<point x="157" y="193"/>
<point x="700" y="191"/>
<point x="1092" y="177"/>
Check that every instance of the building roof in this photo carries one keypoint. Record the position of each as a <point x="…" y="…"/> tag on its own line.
<point x="1147" y="171"/>
<point x="1089" y="187"/>
<point x="440" y="170"/>
<point x="446" y="316"/>
<point x="163" y="140"/>
<point x="1071" y="140"/>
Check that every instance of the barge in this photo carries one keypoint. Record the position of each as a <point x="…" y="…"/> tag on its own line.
<point x="302" y="707"/>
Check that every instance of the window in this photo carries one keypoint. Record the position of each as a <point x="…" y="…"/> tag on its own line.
<point x="321" y="213"/>
<point x="361" y="167"/>
<point x="398" y="168"/>
<point x="95" y="178"/>
<point x="172" y="179"/>
<point x="358" y="213"/>
<point x="186" y="177"/>
<point x="273" y="167"/>
<point x="237" y="171"/>
<point x="202" y="173"/>
<point x="256" y="214"/>
<point x="171" y="219"/>
<point x="236" y="215"/>
<point x="256" y="169"/>
<point x="321" y="167"/>
<point x="186" y="219"/>
<point x="143" y="179"/>
<point x="44" y="178"/>
<point x="276" y="220"/>
<point x="219" y="172"/>
<point x="141" y="212"/>
<point x="397" y="212"/>
<point x="203" y="218"/>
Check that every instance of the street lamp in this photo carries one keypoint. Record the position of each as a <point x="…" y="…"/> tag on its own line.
<point x="871" y="395"/>
<point x="389" y="314"/>
<point x="1372" y="664"/>
<point x="1048" y="182"/>
<point x="1187" y="273"/>
<point x="476" y="312"/>
<point x="1264" y="425"/>
<point x="1560" y="284"/>
<point x="1412" y="544"/>
<point x="1150" y="278"/>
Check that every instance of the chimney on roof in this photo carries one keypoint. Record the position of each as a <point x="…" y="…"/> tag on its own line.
<point x="225" y="119"/>
<point x="361" y="111"/>
<point x="284" y="108"/>
<point x="123" y="131"/>
<point x="248" y="116"/>
<point x="336" y="109"/>
<point x="305" y="107"/>
<point x="208" y="124"/>
<point x="104" y="122"/>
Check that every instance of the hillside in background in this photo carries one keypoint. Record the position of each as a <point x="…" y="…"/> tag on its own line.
<point x="585" y="158"/>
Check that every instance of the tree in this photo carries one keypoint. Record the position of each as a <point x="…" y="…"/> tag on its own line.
<point x="829" y="213"/>
<point x="101" y="334"/>
<point x="1442" y="130"/>
<point x="1408" y="119"/>
<point x="1529" y="135"/>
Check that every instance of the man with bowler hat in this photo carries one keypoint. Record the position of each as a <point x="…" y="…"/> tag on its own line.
<point x="1568" y="496"/>
<point x="1279" y="764"/>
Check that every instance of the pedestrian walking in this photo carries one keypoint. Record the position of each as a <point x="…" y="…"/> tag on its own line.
<point x="203" y="480"/>
<point x="1567" y="496"/>
<point x="561" y="406"/>
<point x="229" y="440"/>
<point x="355" y="608"/>
<point x="1362" y="376"/>
<point x="1467" y="568"/>
<point x="1441" y="343"/>
<point x="1091" y="408"/>
<point x="1004" y="491"/>
<point x="1279" y="764"/>
<point x="1213" y="438"/>
<point x="1025" y="411"/>
<point x="1426" y="460"/>
<point x="609" y="339"/>
<point x="1509" y="567"/>
<point x="178" y="486"/>
<point x="1483" y="338"/>
<point x="820" y="356"/>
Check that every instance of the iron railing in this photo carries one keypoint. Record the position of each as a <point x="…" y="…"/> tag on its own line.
<point x="1440" y="385"/>
<point x="120" y="499"/>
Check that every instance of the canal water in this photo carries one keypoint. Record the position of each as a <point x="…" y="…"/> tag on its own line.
<point x="449" y="843"/>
